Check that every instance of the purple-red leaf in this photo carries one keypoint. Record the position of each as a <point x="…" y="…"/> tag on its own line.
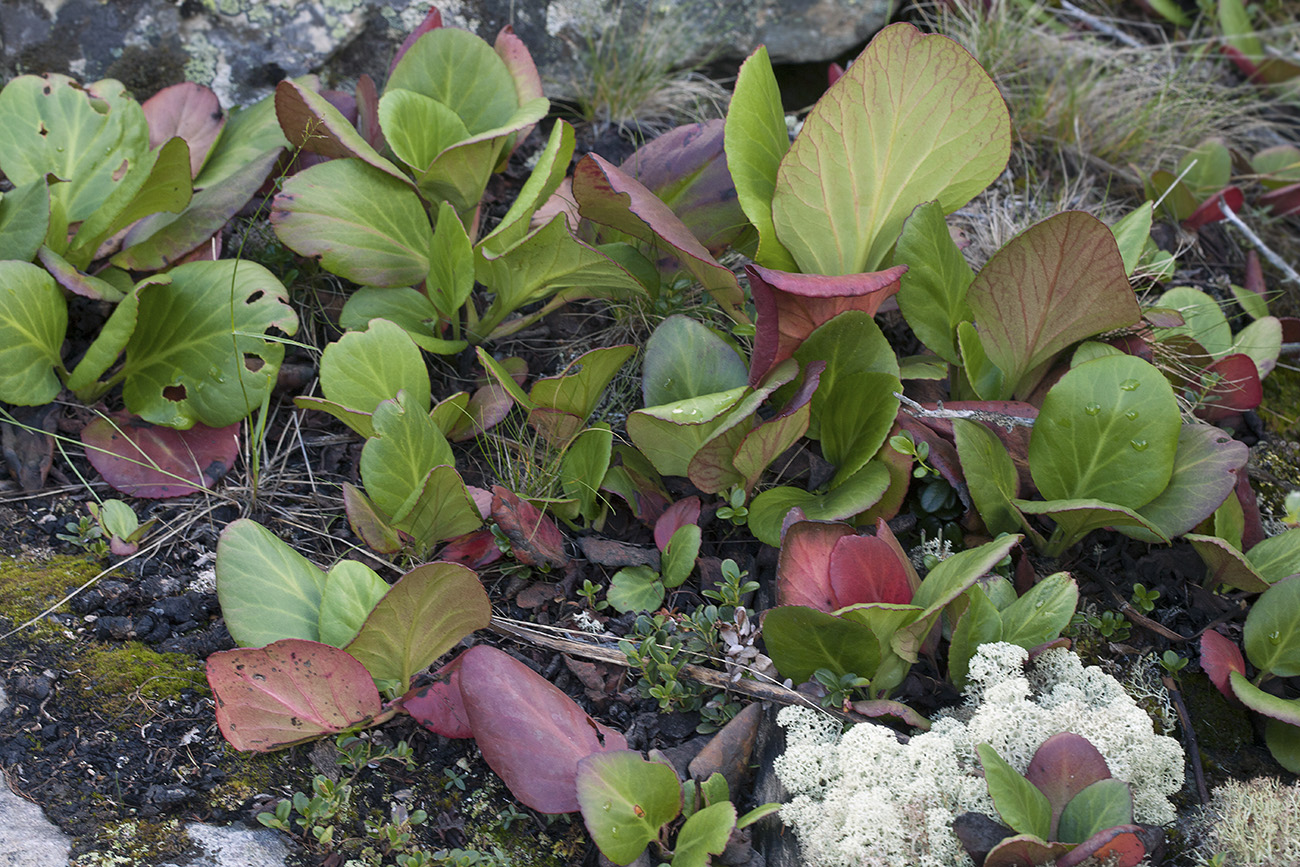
<point x="1117" y="847"/>
<point x="1024" y="850"/>
<point x="679" y="514"/>
<point x="866" y="569"/>
<point x="528" y="83"/>
<point x="1231" y="386"/>
<point x="534" y="538"/>
<point x="1209" y="210"/>
<point x="475" y="550"/>
<point x="608" y="195"/>
<point x="1219" y="658"/>
<point x="1063" y="766"/>
<point x="803" y="571"/>
<point x="792" y="306"/>
<point x="288" y="692"/>
<point x="530" y="733"/>
<point x="1283" y="202"/>
<point x="145" y="460"/>
<point x="439" y="706"/>
<point x="191" y="111"/>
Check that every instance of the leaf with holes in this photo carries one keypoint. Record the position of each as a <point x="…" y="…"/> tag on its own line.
<point x="288" y="693"/>
<point x="146" y="460"/>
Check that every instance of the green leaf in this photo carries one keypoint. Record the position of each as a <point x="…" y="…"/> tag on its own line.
<point x="850" y="344"/>
<point x="1208" y="166"/>
<point x="110" y="341"/>
<point x="33" y="321"/>
<point x="1042" y="612"/>
<point x="1131" y="233"/>
<point x="1052" y="285"/>
<point x="1284" y="743"/>
<point x="311" y="121"/>
<point x="670" y="435"/>
<point x="1271" y="706"/>
<point x="351" y="591"/>
<point x="757" y="813"/>
<point x="1206" y="465"/>
<point x="357" y="420"/>
<point x="1276" y="557"/>
<point x="915" y="119"/>
<point x="363" y="224"/>
<point x="684" y="358"/>
<point x="24" y="220"/>
<point x="1077" y="518"/>
<point x="1102" y="805"/>
<point x="1225" y="564"/>
<point x="461" y="71"/>
<point x="986" y="379"/>
<point x="422" y="616"/>
<point x="86" y="136"/>
<point x="1272" y="633"/>
<point x="418" y="128"/>
<point x="848" y="499"/>
<point x="1261" y="340"/>
<point x="705" y="833"/>
<point x="584" y="466"/>
<point x="756" y="140"/>
<point x="635" y="588"/>
<point x="578" y="388"/>
<point x="1203" y="319"/>
<point x="884" y="619"/>
<point x="404" y="307"/>
<point x="981" y="624"/>
<point x="625" y="800"/>
<point x="394" y="462"/>
<point x="1018" y="801"/>
<point x="440" y="509"/>
<point x="206" y="333"/>
<point x="267" y="590"/>
<point x="933" y="293"/>
<point x="363" y="368"/>
<point x="712" y="468"/>
<point x="1254" y="304"/>
<point x="679" y="555"/>
<point x="1108" y="430"/>
<point x="451" y="264"/>
<point x="250" y="131"/>
<point x="546" y="177"/>
<point x="801" y="640"/>
<point x="990" y="474"/>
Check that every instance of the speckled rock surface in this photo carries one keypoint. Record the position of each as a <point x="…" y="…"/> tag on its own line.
<point x="242" y="47"/>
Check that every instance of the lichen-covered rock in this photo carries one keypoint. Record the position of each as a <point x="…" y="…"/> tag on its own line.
<point x="242" y="47"/>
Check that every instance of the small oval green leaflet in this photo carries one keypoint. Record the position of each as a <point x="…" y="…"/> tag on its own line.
<point x="625" y="800"/>
<point x="1019" y="802"/>
<point x="1108" y="430"/>
<point x="364" y="368"/>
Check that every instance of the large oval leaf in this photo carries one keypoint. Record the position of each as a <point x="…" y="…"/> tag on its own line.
<point x="1206" y="465"/>
<point x="364" y="368"/>
<point x="1101" y="805"/>
<point x="146" y="460"/>
<point x="33" y="320"/>
<point x="1272" y="633"/>
<point x="1062" y="767"/>
<point x="267" y="590"/>
<point x="1108" y="430"/>
<point x="803" y="575"/>
<point x="363" y="224"/>
<point x="200" y="350"/>
<point x="425" y="613"/>
<point x="684" y="359"/>
<point x="846" y="500"/>
<point x="289" y="692"/>
<point x="801" y="640"/>
<point x="915" y="119"/>
<point x="625" y="800"/>
<point x="462" y="72"/>
<point x="530" y="733"/>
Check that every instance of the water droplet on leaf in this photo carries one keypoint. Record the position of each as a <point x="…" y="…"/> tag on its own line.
<point x="1092" y="408"/>
<point x="1129" y="385"/>
<point x="1138" y="445"/>
<point x="1131" y="415"/>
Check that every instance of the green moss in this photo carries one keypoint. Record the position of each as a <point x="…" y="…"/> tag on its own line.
<point x="1279" y="464"/>
<point x="134" y="841"/>
<point x="28" y="587"/>
<point x="1280" y="409"/>
<point x="122" y="674"/>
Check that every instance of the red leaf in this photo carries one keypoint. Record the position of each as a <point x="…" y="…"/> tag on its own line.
<point x="803" y="570"/>
<point x="288" y="692"/>
<point x="1283" y="202"/>
<point x="1118" y="847"/>
<point x="144" y="460"/>
<point x="1254" y="279"/>
<point x="792" y="306"/>
<point x="1253" y="533"/>
<point x="1243" y="63"/>
<point x="528" y="83"/>
<point x="438" y="706"/>
<point x="1232" y="385"/>
<point x="530" y="733"/>
<point x="534" y="538"/>
<point x="1220" y="657"/>
<point x="475" y="550"/>
<point x="1209" y="210"/>
<point x="866" y="569"/>
<point x="833" y="73"/>
<point x="191" y="111"/>
<point x="368" y="113"/>
<point x="1063" y="766"/>
<point x="678" y="515"/>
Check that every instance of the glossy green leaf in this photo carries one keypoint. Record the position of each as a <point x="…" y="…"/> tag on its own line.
<point x="1102" y="805"/>
<point x="684" y="359"/>
<point x="351" y="591"/>
<point x="1078" y="517"/>
<point x="451" y="264"/>
<point x="625" y="800"/>
<point x="846" y="500"/>
<point x="705" y="833"/>
<point x="207" y="332"/>
<point x="1276" y="557"/>
<point x="418" y="128"/>
<point x="670" y="435"/>
<point x="679" y="555"/>
<point x="1131" y="233"/>
<point x="363" y="224"/>
<point x="33" y="321"/>
<point x="249" y="131"/>
<point x="756" y="140"/>
<point x="1207" y="168"/>
<point x="461" y="71"/>
<point x="1206" y="466"/>
<point x="406" y="445"/>
<point x="363" y="368"/>
<point x="1274" y="707"/>
<point x="1272" y="633"/>
<point x="635" y="588"/>
<point x="24" y="220"/>
<point x="933" y="293"/>
<point x="267" y="590"/>
<point x="985" y="378"/>
<point x="1262" y="341"/>
<point x="770" y="439"/>
<point x="850" y="344"/>
<point x="1018" y="801"/>
<point x="546" y="177"/>
<point x="1203" y="319"/>
<point x="109" y="343"/>
<point x="1042" y="612"/>
<point x="1108" y="430"/>
<point x="357" y="420"/>
<point x="370" y="526"/>
<point x="801" y="640"/>
<point x="584" y="466"/>
<point x="990" y="474"/>
<point x="440" y="509"/>
<point x="425" y="614"/>
<point x="1283" y="742"/>
<point x="884" y="619"/>
<point x="407" y="308"/>
<point x="1052" y="285"/>
<point x="981" y="624"/>
<point x="578" y="388"/>
<point x="712" y="468"/>
<point x="915" y="119"/>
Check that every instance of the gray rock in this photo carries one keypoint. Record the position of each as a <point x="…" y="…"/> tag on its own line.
<point x="27" y="838"/>
<point x="236" y="847"/>
<point x="242" y="47"/>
